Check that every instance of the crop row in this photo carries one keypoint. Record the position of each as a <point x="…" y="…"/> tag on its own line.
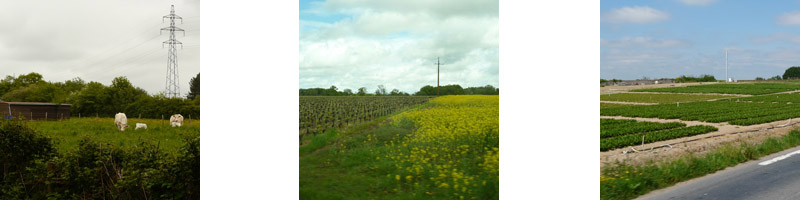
<point x="613" y="128"/>
<point x="751" y="88"/>
<point x="318" y="114"/>
<point x="777" y="98"/>
<point x="658" y="98"/>
<point x="650" y="137"/>
<point x="737" y="113"/>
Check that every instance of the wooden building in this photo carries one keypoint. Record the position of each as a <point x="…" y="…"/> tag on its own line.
<point x="35" y="110"/>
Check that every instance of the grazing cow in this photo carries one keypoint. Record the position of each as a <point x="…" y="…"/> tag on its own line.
<point x="141" y="125"/>
<point x="176" y="120"/>
<point x="121" y="121"/>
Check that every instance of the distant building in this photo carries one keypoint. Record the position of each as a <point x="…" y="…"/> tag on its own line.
<point x="34" y="110"/>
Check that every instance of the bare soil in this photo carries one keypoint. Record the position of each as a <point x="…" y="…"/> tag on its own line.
<point x="697" y="144"/>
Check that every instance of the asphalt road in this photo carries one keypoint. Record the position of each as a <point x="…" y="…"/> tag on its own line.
<point x="776" y="176"/>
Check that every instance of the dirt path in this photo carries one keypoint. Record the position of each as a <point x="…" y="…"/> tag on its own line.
<point x="618" y="89"/>
<point x="717" y="94"/>
<point x="695" y="144"/>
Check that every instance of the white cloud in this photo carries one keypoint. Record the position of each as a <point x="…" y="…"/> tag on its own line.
<point x="395" y="43"/>
<point x="777" y="37"/>
<point x="698" y="2"/>
<point x="788" y="19"/>
<point x="647" y="42"/>
<point x="634" y="15"/>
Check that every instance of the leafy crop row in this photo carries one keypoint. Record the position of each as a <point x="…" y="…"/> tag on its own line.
<point x="612" y="128"/>
<point x="752" y="88"/>
<point x="320" y="113"/>
<point x="738" y="113"/>
<point x="634" y="139"/>
<point x="658" y="98"/>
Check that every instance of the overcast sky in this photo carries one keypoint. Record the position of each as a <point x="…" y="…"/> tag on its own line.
<point x="97" y="40"/>
<point x="669" y="38"/>
<point x="362" y="43"/>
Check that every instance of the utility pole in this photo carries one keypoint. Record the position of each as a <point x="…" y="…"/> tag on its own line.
<point x="437" y="75"/>
<point x="173" y="85"/>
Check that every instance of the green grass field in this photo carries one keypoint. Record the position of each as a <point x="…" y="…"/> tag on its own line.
<point x="401" y="157"/>
<point x="68" y="133"/>
<point x="725" y="88"/>
<point x="614" y="105"/>
<point x="658" y="98"/>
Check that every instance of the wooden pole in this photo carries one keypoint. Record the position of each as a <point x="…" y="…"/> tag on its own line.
<point x="45" y="116"/>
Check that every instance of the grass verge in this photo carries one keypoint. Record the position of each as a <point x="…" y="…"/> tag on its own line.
<point x="624" y="181"/>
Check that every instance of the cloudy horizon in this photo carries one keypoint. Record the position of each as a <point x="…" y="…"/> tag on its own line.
<point x="353" y="44"/>
<point x="98" y="40"/>
<point x="667" y="39"/>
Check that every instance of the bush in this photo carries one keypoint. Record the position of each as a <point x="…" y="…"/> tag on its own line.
<point x="22" y="153"/>
<point x="96" y="170"/>
<point x="690" y="79"/>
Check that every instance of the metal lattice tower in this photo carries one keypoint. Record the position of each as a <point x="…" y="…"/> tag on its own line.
<point x="173" y="84"/>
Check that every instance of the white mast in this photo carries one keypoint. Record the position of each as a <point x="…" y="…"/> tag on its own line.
<point x="726" y="66"/>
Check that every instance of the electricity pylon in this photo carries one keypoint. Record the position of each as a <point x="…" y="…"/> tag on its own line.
<point x="173" y="85"/>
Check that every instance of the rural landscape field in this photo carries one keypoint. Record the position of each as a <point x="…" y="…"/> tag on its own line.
<point x="697" y="102"/>
<point x="90" y="115"/>
<point x="441" y="148"/>
<point x="402" y="111"/>
<point x="658" y="137"/>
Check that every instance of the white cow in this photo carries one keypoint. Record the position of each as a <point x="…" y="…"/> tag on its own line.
<point x="176" y="120"/>
<point x="141" y="125"/>
<point x="121" y="121"/>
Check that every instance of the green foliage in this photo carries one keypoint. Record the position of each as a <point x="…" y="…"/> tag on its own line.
<point x="690" y="79"/>
<point x="485" y="90"/>
<point x="734" y="111"/>
<point x="625" y="181"/>
<point x="792" y="73"/>
<point x="776" y="77"/>
<point x="658" y="98"/>
<point x="22" y="153"/>
<point x="614" y="105"/>
<point x="655" y="136"/>
<point x="194" y="87"/>
<point x="96" y="170"/>
<point x="443" y="90"/>
<point x="613" y="127"/>
<point x="746" y="88"/>
<point x="96" y="98"/>
<point x="603" y="80"/>
<point x="759" y="79"/>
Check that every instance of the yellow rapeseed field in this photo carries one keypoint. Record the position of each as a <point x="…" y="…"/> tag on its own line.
<point x="453" y="150"/>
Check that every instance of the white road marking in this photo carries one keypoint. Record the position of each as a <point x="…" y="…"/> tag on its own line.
<point x="776" y="159"/>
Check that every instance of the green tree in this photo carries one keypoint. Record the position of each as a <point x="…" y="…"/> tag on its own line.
<point x="347" y="92"/>
<point x="194" y="87"/>
<point x="792" y="73"/>
<point x="362" y="91"/>
<point x="426" y="91"/>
